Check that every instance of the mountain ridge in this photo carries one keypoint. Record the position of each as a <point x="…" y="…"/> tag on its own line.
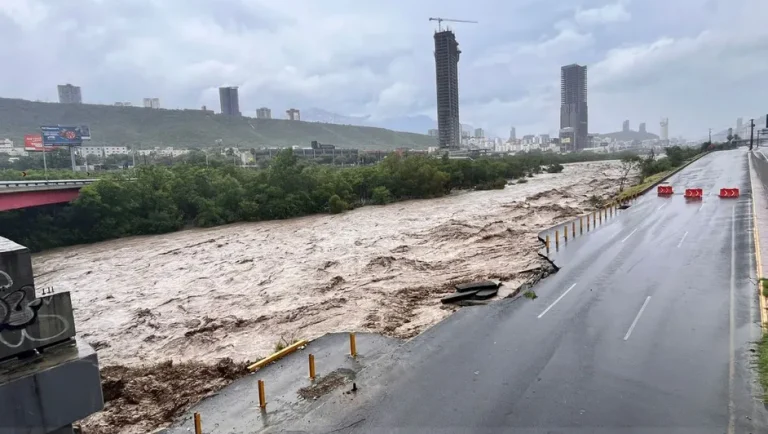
<point x="113" y="125"/>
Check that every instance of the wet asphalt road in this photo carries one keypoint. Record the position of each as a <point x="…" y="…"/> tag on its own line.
<point x="647" y="328"/>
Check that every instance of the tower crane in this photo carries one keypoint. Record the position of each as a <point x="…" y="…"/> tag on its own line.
<point x="440" y="22"/>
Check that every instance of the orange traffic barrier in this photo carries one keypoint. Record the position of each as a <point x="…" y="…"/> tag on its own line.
<point x="665" y="190"/>
<point x="729" y="192"/>
<point x="694" y="193"/>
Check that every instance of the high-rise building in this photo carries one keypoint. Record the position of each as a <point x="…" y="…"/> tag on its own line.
<point x="447" y="78"/>
<point x="664" y="129"/>
<point x="625" y="126"/>
<point x="152" y="103"/>
<point x="293" y="114"/>
<point x="69" y="94"/>
<point x="642" y="128"/>
<point x="230" y="101"/>
<point x="739" y="123"/>
<point x="263" y="113"/>
<point x="512" y="134"/>
<point x="574" y="112"/>
<point x="479" y="133"/>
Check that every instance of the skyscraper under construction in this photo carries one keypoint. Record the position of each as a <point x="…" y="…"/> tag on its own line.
<point x="447" y="76"/>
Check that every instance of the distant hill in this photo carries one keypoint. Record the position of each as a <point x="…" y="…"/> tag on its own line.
<point x="418" y="124"/>
<point x="114" y="125"/>
<point x="626" y="136"/>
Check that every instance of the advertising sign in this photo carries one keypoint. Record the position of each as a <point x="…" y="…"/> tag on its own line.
<point x="85" y="132"/>
<point x="63" y="135"/>
<point x="34" y="143"/>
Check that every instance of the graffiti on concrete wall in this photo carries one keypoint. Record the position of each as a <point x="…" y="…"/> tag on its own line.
<point x="5" y="281"/>
<point x="47" y="320"/>
<point x="17" y="310"/>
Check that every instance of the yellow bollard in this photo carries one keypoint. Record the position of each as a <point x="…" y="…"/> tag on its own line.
<point x="611" y="210"/>
<point x="352" y="346"/>
<point x="557" y="239"/>
<point x="262" y="395"/>
<point x="574" y="229"/>
<point x="581" y="225"/>
<point x="587" y="223"/>
<point x="198" y="424"/>
<point x="594" y="219"/>
<point x="600" y="215"/>
<point x="311" y="366"/>
<point x="547" y="243"/>
<point x="565" y="235"/>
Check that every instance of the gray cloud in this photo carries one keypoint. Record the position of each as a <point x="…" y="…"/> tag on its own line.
<point x="699" y="62"/>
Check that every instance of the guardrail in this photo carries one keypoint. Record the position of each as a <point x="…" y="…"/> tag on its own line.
<point x="52" y="183"/>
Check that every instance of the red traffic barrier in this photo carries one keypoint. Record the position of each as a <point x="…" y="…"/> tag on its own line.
<point x="694" y="193"/>
<point x="729" y="192"/>
<point x="664" y="190"/>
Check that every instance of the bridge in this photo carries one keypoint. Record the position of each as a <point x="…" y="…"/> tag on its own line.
<point x="25" y="194"/>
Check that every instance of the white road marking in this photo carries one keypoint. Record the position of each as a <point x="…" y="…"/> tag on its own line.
<point x="630" y="234"/>
<point x="732" y="327"/>
<point x="659" y="208"/>
<point x="634" y="323"/>
<point x="682" y="239"/>
<point x="558" y="299"/>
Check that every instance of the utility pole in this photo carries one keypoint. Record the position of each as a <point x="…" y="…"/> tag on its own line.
<point x="710" y="136"/>
<point x="751" y="133"/>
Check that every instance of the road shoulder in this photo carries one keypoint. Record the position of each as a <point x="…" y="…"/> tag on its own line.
<point x="760" y="226"/>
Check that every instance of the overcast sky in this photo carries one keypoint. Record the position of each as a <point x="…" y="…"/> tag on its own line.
<point x="701" y="63"/>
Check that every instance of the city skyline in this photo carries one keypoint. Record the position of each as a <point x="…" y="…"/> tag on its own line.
<point x="644" y="64"/>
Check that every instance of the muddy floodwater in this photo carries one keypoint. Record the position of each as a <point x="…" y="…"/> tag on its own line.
<point x="235" y="291"/>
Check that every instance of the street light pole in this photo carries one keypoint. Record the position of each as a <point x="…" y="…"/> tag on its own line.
<point x="710" y="136"/>
<point x="751" y="134"/>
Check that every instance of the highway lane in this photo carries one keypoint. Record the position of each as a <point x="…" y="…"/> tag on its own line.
<point x="647" y="328"/>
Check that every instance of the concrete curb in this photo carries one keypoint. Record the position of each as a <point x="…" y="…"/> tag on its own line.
<point x="674" y="172"/>
<point x="758" y="195"/>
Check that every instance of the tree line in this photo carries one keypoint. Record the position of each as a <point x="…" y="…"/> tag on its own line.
<point x="156" y="199"/>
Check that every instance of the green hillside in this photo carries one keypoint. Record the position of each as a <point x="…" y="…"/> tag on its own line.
<point x="114" y="125"/>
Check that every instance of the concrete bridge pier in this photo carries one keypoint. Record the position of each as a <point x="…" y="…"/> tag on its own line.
<point x="49" y="378"/>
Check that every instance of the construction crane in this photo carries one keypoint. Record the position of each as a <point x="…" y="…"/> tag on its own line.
<point x="440" y="22"/>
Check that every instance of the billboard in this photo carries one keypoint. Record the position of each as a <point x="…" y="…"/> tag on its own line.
<point x="34" y="143"/>
<point x="64" y="135"/>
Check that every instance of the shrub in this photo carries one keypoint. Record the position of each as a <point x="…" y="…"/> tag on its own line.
<point x="555" y="168"/>
<point x="595" y="201"/>
<point x="381" y="196"/>
<point x="337" y="205"/>
<point x="497" y="184"/>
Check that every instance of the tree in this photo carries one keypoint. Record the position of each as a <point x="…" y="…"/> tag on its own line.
<point x="336" y="205"/>
<point x="628" y="164"/>
<point x="381" y="195"/>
